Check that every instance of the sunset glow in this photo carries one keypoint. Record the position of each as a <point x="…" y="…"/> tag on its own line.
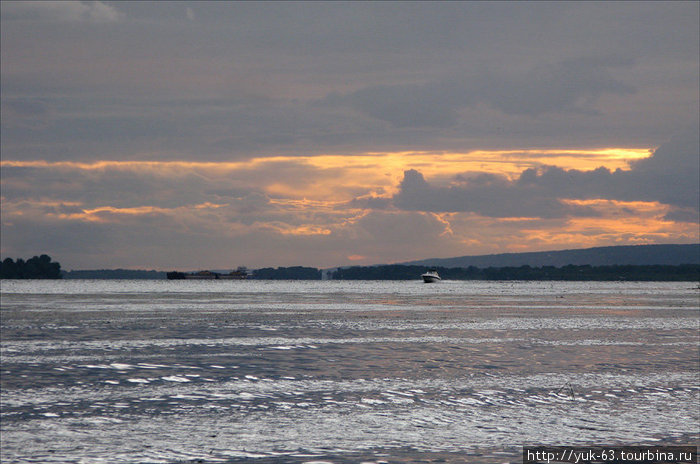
<point x="168" y="134"/>
<point x="348" y="231"/>
<point x="342" y="177"/>
<point x="332" y="196"/>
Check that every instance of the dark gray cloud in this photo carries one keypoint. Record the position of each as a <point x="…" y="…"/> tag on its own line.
<point x="569" y="86"/>
<point x="231" y="81"/>
<point x="69" y="11"/>
<point x="488" y="195"/>
<point x="572" y="85"/>
<point x="371" y="202"/>
<point x="25" y="108"/>
<point x="137" y="184"/>
<point x="670" y="176"/>
<point x="215" y="80"/>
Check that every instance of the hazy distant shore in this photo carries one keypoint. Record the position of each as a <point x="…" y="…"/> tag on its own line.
<point x="616" y="263"/>
<point x="686" y="272"/>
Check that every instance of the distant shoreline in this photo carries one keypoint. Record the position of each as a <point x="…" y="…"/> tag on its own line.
<point x="680" y="262"/>
<point x="645" y="273"/>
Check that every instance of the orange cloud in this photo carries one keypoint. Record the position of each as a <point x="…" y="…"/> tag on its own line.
<point x="317" y="201"/>
<point x="340" y="177"/>
<point x="622" y="208"/>
<point x="620" y="223"/>
<point x="301" y="230"/>
<point x="110" y="213"/>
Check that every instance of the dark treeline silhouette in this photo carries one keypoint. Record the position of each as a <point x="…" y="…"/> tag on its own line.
<point x="288" y="273"/>
<point x="41" y="267"/>
<point x="114" y="274"/>
<point x="684" y="272"/>
<point x="37" y="267"/>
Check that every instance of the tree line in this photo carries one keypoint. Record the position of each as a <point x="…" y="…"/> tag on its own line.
<point x="37" y="267"/>
<point x="683" y="272"/>
<point x="114" y="274"/>
<point x="42" y="267"/>
<point x="287" y="273"/>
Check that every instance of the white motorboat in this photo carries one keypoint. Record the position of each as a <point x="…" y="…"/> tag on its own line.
<point x="431" y="276"/>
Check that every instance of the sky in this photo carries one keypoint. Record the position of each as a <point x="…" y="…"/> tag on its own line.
<point x="177" y="135"/>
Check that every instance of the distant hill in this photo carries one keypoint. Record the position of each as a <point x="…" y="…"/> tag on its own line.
<point x="599" y="256"/>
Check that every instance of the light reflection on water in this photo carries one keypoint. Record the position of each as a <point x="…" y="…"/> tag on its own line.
<point x="227" y="371"/>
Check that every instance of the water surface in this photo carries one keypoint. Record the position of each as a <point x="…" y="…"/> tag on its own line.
<point x="264" y="371"/>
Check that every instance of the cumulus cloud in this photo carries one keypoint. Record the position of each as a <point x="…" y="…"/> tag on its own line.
<point x="487" y="195"/>
<point x="284" y="208"/>
<point x="670" y="176"/>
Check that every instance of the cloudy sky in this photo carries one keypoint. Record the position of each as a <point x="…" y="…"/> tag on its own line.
<point x="212" y="135"/>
